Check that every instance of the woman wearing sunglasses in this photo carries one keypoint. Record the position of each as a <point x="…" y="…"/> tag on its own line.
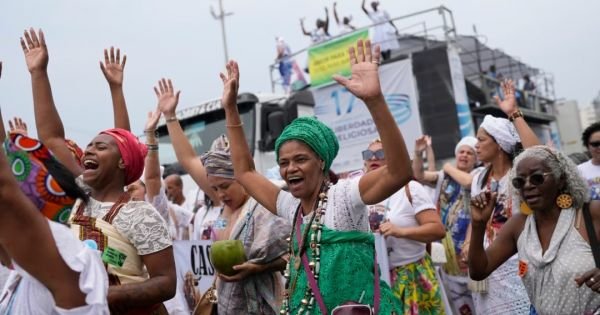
<point x="498" y="140"/>
<point x="332" y="256"/>
<point x="590" y="170"/>
<point x="409" y="222"/>
<point x="554" y="253"/>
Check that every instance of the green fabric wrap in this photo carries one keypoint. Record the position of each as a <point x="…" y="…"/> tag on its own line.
<point x="315" y="134"/>
<point x="346" y="271"/>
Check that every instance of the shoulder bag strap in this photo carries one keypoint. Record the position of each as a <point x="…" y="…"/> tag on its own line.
<point x="407" y="191"/>
<point x="589" y="225"/>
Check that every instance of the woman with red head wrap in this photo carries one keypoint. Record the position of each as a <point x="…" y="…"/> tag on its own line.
<point x="131" y="235"/>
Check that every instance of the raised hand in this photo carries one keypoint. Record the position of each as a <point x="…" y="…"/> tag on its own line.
<point x="113" y="66"/>
<point x="421" y="144"/>
<point x="35" y="50"/>
<point x="17" y="125"/>
<point x="509" y="104"/>
<point x="428" y="140"/>
<point x="152" y="120"/>
<point x="167" y="98"/>
<point x="364" y="81"/>
<point x="231" y="84"/>
<point x="482" y="206"/>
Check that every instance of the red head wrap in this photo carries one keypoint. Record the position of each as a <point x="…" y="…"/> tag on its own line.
<point x="132" y="151"/>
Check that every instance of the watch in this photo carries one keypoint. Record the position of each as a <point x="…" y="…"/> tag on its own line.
<point x="515" y="115"/>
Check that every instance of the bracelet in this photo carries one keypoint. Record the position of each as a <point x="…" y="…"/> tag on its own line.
<point x="151" y="133"/>
<point x="234" y="126"/>
<point x="152" y="147"/>
<point x="170" y="119"/>
<point x="515" y="115"/>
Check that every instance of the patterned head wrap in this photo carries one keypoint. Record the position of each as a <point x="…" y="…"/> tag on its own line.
<point x="217" y="161"/>
<point x="26" y="157"/>
<point x="503" y="131"/>
<point x="315" y="134"/>
<point x="132" y="151"/>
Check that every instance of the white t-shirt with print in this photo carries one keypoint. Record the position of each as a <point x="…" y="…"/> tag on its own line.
<point x="591" y="174"/>
<point x="32" y="297"/>
<point x="402" y="213"/>
<point x="203" y="222"/>
<point x="345" y="209"/>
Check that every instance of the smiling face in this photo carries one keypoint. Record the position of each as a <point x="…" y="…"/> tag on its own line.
<point x="539" y="197"/>
<point x="486" y="147"/>
<point x="465" y="158"/>
<point x="301" y="169"/>
<point x="229" y="191"/>
<point x="594" y="147"/>
<point x="101" y="161"/>
<point x="374" y="163"/>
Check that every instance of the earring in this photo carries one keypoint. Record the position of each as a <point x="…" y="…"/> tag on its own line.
<point x="564" y="201"/>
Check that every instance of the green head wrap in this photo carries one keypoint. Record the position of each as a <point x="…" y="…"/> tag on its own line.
<point x="315" y="134"/>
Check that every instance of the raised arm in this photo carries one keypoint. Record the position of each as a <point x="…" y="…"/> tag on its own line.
<point x="335" y="15"/>
<point x="48" y="123"/>
<point x="167" y="102"/>
<point x="381" y="183"/>
<point x="364" y="8"/>
<point x="303" y="29"/>
<point x="326" y="27"/>
<point x="430" y="155"/>
<point x="483" y="262"/>
<point x="258" y="186"/>
<point x="463" y="178"/>
<point x="17" y="125"/>
<point x="113" y="68"/>
<point x="420" y="174"/>
<point x="152" y="178"/>
<point x="21" y="224"/>
<point x="510" y="108"/>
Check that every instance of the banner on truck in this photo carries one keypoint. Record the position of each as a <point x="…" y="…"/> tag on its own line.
<point x="332" y="58"/>
<point x="352" y="123"/>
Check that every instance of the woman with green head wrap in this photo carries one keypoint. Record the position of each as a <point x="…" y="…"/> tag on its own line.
<point x="331" y="249"/>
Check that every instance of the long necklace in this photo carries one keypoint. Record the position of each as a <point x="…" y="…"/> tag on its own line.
<point x="316" y="225"/>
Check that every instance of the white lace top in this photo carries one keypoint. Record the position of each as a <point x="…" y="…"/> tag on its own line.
<point x="345" y="209"/>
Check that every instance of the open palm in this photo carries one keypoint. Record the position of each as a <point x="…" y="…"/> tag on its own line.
<point x="231" y="84"/>
<point x="35" y="50"/>
<point x="509" y="104"/>
<point x="167" y="98"/>
<point x="153" y="118"/>
<point x="113" y="67"/>
<point x="364" y="80"/>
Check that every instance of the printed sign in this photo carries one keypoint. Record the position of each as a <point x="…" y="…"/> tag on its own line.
<point x="195" y="272"/>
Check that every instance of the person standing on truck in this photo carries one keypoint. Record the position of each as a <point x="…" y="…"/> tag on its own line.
<point x="385" y="32"/>
<point x="329" y="221"/>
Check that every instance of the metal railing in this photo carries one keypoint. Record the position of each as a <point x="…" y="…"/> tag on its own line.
<point x="428" y="33"/>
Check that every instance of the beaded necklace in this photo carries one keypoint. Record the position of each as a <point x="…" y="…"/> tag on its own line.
<point x="316" y="225"/>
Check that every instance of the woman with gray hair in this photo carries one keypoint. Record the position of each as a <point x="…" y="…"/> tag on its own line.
<point x="555" y="257"/>
<point x="498" y="140"/>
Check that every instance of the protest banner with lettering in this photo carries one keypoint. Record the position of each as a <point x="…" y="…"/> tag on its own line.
<point x="194" y="270"/>
<point x="331" y="58"/>
<point x="352" y="123"/>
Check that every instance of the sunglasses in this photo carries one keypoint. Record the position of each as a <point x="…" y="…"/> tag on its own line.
<point x="368" y="154"/>
<point x="534" y="179"/>
<point x="594" y="144"/>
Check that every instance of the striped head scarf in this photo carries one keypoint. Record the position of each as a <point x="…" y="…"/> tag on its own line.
<point x="217" y="161"/>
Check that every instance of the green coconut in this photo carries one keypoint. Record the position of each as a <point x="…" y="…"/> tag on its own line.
<point x="226" y="254"/>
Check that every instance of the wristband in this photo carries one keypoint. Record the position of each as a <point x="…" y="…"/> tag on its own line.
<point x="515" y="115"/>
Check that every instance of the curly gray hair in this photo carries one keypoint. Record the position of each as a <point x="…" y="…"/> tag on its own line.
<point x="560" y="166"/>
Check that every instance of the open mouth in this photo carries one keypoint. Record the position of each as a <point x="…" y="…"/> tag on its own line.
<point x="294" y="181"/>
<point x="531" y="199"/>
<point x="89" y="165"/>
<point x="374" y="166"/>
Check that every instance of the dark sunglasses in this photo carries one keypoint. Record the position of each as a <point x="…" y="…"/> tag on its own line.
<point x="534" y="179"/>
<point x="368" y="154"/>
<point x="594" y="144"/>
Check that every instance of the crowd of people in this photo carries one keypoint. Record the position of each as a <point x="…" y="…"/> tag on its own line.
<point x="518" y="221"/>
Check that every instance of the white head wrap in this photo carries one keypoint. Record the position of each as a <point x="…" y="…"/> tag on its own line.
<point x="468" y="141"/>
<point x="503" y="131"/>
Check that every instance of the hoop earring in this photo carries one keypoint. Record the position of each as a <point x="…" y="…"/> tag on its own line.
<point x="564" y="201"/>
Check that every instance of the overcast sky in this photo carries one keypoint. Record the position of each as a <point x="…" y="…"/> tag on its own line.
<point x="180" y="40"/>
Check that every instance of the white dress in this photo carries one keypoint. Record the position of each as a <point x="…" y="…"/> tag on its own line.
<point x="383" y="34"/>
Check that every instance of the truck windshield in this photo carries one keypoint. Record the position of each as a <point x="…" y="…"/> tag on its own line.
<point x="203" y="129"/>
